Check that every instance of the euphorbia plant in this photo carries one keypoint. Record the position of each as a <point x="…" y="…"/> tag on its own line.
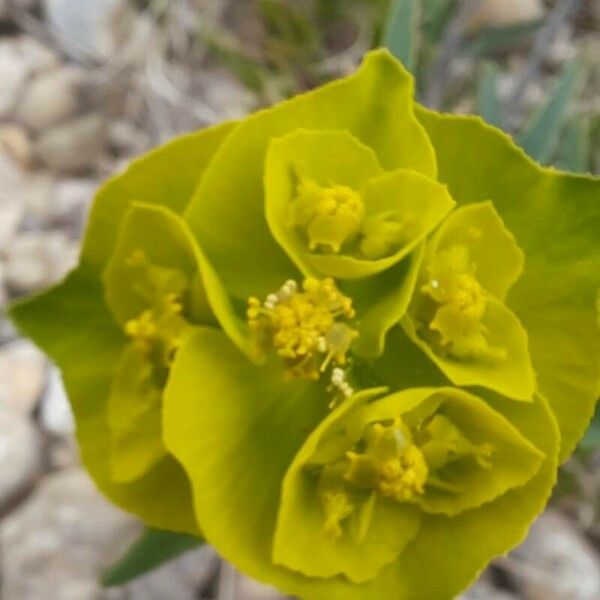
<point x="347" y="338"/>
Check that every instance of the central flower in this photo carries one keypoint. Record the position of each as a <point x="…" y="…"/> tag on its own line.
<point x="303" y="326"/>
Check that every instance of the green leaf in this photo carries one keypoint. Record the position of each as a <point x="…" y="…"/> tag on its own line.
<point x="330" y="158"/>
<point x="374" y="105"/>
<point x="238" y="437"/>
<point x="134" y="419"/>
<point x="437" y="15"/>
<point x="541" y="135"/>
<point x="381" y="302"/>
<point x="150" y="179"/>
<point x="473" y="244"/>
<point x="555" y="218"/>
<point x="591" y="440"/>
<point x="300" y="542"/>
<point x="401" y="31"/>
<point x="167" y="242"/>
<point x="575" y="151"/>
<point x="491" y="39"/>
<point x="153" y="548"/>
<point x="489" y="104"/>
<point x="236" y="428"/>
<point x="513" y="460"/>
<point x="73" y="326"/>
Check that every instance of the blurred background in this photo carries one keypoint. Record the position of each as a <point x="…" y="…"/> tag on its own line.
<point x="85" y="85"/>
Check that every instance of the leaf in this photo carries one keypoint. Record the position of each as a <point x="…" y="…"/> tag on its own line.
<point x="437" y="15"/>
<point x="575" y="151"/>
<point x="555" y="218"/>
<point x="591" y="440"/>
<point x="497" y="262"/>
<point x="541" y="135"/>
<point x="308" y="548"/>
<point x="374" y="105"/>
<point x="401" y="31"/>
<point x="491" y="39"/>
<point x="73" y="326"/>
<point x="489" y="105"/>
<point x="337" y="158"/>
<point x="153" y="548"/>
<point x="150" y="179"/>
<point x="237" y="477"/>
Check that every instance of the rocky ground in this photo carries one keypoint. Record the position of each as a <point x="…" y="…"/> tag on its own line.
<point x="78" y="99"/>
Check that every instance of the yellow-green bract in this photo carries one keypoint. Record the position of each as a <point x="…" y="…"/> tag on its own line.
<point x="347" y="338"/>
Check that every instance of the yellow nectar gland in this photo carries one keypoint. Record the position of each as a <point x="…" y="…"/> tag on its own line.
<point x="391" y="463"/>
<point x="337" y="508"/>
<point x="157" y="331"/>
<point x="303" y="326"/>
<point x="331" y="216"/>
<point x="460" y="306"/>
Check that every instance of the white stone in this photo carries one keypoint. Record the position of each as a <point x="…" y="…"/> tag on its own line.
<point x="49" y="98"/>
<point x="19" y="58"/>
<point x="72" y="199"/>
<point x="555" y="562"/>
<point x="484" y="590"/>
<point x="13" y="74"/>
<point x="11" y="214"/>
<point x="15" y="140"/>
<point x="180" y="579"/>
<point x="20" y="455"/>
<point x="90" y="28"/>
<point x="37" y="259"/>
<point x="22" y="375"/>
<point x="56" y="415"/>
<point x="500" y="13"/>
<point x="55" y="545"/>
<point x="3" y="301"/>
<point x="25" y="193"/>
<point x="74" y="146"/>
<point x="248" y="589"/>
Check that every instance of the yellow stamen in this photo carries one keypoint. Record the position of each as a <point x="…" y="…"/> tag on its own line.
<point x="391" y="464"/>
<point x="460" y="304"/>
<point x="330" y="216"/>
<point x="302" y="326"/>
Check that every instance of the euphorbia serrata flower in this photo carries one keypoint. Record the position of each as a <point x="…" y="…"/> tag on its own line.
<point x="347" y="338"/>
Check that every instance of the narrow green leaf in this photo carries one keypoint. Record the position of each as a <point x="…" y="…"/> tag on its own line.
<point x="437" y="15"/>
<point x="401" y="30"/>
<point x="489" y="105"/>
<point x="575" y="150"/>
<point x="541" y="136"/>
<point x="591" y="441"/>
<point x="490" y="39"/>
<point x="153" y="548"/>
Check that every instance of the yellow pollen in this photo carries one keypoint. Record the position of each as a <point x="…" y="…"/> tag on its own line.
<point x="329" y="216"/>
<point x="303" y="325"/>
<point x="157" y="331"/>
<point x="460" y="304"/>
<point x="391" y="463"/>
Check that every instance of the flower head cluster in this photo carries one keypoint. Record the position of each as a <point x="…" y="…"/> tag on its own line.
<point x="345" y="338"/>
